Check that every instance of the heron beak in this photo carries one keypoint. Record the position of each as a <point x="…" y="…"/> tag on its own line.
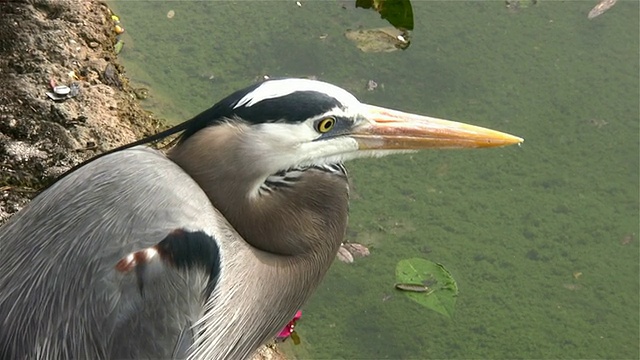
<point x="396" y="130"/>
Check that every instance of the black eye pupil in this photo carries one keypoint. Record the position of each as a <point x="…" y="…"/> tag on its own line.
<point x="326" y="125"/>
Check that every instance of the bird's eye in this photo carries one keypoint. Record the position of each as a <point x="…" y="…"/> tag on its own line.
<point x="325" y="125"/>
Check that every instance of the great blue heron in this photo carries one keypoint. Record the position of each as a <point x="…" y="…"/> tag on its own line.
<point x="208" y="251"/>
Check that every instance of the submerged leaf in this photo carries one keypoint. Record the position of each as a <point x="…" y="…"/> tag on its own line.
<point x="385" y="39"/>
<point x="443" y="290"/>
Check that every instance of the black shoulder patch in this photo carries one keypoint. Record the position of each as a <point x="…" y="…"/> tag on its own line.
<point x="185" y="249"/>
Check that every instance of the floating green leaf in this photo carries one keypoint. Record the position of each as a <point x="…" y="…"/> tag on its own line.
<point x="442" y="298"/>
<point x="398" y="13"/>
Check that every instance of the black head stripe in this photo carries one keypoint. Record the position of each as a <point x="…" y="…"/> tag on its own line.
<point x="295" y="107"/>
<point x="292" y="108"/>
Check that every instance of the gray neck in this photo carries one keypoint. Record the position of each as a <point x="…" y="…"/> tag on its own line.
<point x="291" y="236"/>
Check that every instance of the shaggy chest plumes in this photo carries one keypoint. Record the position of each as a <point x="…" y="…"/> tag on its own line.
<point x="285" y="212"/>
<point x="288" y="178"/>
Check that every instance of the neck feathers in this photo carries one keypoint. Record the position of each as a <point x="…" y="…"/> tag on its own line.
<point x="299" y="211"/>
<point x="292" y="231"/>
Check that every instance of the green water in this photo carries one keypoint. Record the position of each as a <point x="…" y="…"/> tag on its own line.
<point x="512" y="225"/>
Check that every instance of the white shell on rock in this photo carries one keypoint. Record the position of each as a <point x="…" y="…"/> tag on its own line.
<point x="61" y="90"/>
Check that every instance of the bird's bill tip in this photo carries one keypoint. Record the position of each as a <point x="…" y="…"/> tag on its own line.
<point x="396" y="130"/>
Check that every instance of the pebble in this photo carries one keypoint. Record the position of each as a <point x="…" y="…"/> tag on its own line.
<point x="627" y="239"/>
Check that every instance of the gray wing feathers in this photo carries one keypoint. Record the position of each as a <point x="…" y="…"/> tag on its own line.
<point x="61" y="296"/>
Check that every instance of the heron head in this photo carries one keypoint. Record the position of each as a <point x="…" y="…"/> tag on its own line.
<point x="288" y="123"/>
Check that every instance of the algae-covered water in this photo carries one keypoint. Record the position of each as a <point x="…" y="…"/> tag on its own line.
<point x="542" y="239"/>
